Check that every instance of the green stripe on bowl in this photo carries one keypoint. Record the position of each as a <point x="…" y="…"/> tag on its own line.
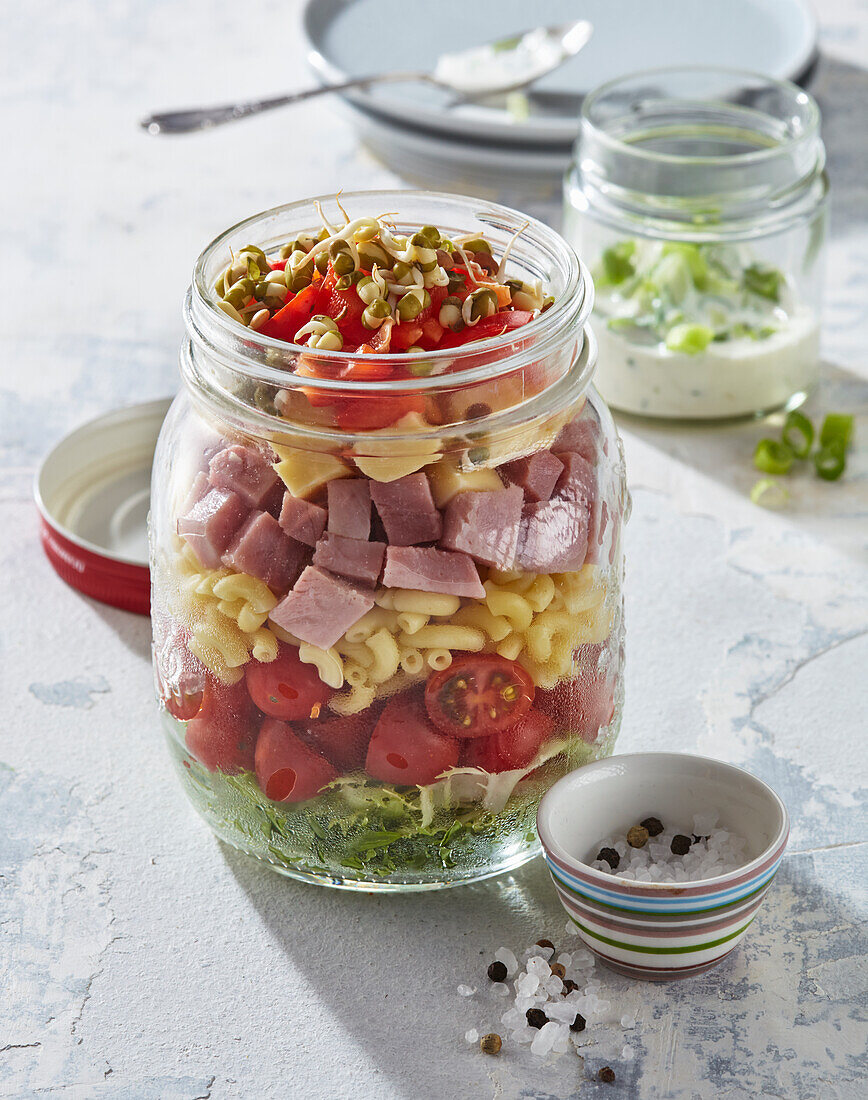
<point x="639" y="949"/>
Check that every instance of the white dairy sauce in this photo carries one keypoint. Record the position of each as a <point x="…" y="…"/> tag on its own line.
<point x="734" y="378"/>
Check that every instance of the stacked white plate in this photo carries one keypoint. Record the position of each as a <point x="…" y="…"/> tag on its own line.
<point x="430" y="140"/>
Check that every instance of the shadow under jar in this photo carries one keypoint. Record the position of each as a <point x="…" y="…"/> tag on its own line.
<point x="387" y="612"/>
<point x="698" y="197"/>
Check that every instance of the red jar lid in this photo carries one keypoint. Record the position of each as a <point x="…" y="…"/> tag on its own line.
<point x="93" y="492"/>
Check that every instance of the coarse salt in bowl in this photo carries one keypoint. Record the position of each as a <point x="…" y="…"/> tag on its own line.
<point x="660" y="931"/>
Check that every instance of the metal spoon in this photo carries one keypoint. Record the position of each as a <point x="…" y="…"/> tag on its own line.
<point x="511" y="63"/>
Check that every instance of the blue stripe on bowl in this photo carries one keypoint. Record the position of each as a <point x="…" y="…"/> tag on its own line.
<point x="623" y="900"/>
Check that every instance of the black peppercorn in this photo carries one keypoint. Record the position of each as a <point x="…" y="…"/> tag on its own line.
<point x="680" y="845"/>
<point x="536" y="1017"/>
<point x="607" y="1074"/>
<point x="545" y="943"/>
<point x="579" y="1023"/>
<point x="610" y="856"/>
<point x="497" y="972"/>
<point x="558" y="970"/>
<point x="569" y="986"/>
<point x="653" y="824"/>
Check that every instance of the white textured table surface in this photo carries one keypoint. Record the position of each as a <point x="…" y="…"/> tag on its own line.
<point x="138" y="957"/>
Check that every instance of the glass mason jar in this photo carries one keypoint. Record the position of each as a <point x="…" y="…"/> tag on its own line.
<point x="345" y="781"/>
<point x="698" y="197"/>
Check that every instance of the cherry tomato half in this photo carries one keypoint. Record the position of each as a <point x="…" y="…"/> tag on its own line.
<point x="405" y="748"/>
<point x="342" y="740"/>
<point x="584" y="705"/>
<point x="287" y="769"/>
<point x="479" y="694"/>
<point x="512" y="748"/>
<point x="287" y="688"/>
<point x="222" y="735"/>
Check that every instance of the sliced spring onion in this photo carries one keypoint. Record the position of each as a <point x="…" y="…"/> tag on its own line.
<point x="798" y="434"/>
<point x="617" y="263"/>
<point x="764" y="281"/>
<point x="769" y="493"/>
<point x="837" y="428"/>
<point x="690" y="339"/>
<point x="830" y="460"/>
<point x="773" y="457"/>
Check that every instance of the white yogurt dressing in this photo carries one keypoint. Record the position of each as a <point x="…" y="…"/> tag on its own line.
<point x="734" y="378"/>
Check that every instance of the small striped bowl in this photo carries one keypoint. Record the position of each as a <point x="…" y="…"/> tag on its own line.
<point x="659" y="931"/>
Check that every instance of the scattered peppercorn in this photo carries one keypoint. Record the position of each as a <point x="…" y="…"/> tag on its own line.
<point x="610" y="856"/>
<point x="579" y="1023"/>
<point x="490" y="1044"/>
<point x="653" y="824"/>
<point x="558" y="970"/>
<point x="569" y="986"/>
<point x="536" y="1017"/>
<point x="545" y="943"/>
<point x="696" y="839"/>
<point x="637" y="837"/>
<point x="497" y="972"/>
<point x="680" y="845"/>
<point x="607" y="1074"/>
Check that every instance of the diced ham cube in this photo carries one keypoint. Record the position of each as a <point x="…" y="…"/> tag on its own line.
<point x="302" y="520"/>
<point x="211" y="523"/>
<point x="353" y="558"/>
<point x="578" y="480"/>
<point x="349" y="508"/>
<point x="407" y="510"/>
<point x="484" y="525"/>
<point x="554" y="536"/>
<point x="200" y="488"/>
<point x="535" y="475"/>
<point x="430" y="570"/>
<point x="580" y="436"/>
<point x="244" y="471"/>
<point x="321" y="608"/>
<point x="263" y="550"/>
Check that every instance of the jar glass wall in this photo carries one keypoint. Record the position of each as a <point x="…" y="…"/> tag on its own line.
<point x="698" y="197"/>
<point x="331" y="756"/>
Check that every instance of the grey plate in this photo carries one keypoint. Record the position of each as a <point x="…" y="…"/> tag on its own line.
<point x="357" y="37"/>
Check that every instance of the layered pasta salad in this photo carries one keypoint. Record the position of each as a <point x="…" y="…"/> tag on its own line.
<point x="373" y="661"/>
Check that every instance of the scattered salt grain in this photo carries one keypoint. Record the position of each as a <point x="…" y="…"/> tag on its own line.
<point x="471" y="1036"/>
<point x="466" y="990"/>
<point x="500" y="989"/>
<point x="545" y="1038"/>
<point x="628" y="1022"/>
<point x="565" y="959"/>
<point x="626" y="1054"/>
<point x="539" y="967"/>
<point x="504" y="955"/>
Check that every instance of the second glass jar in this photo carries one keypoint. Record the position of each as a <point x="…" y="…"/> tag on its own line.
<point x="698" y="197"/>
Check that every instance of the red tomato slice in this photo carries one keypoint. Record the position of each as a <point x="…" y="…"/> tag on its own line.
<point x="297" y="311"/>
<point x="287" y="770"/>
<point x="405" y="336"/>
<point x="365" y="414"/>
<point x="346" y="308"/>
<point x="512" y="748"/>
<point x="584" y="705"/>
<point x="222" y="735"/>
<point x="184" y="705"/>
<point x="286" y="687"/>
<point x="405" y="748"/>
<point x="478" y="694"/>
<point x="495" y="325"/>
<point x="343" y="741"/>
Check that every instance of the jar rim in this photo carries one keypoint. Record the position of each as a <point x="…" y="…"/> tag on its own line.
<point x="810" y="120"/>
<point x="209" y="324"/>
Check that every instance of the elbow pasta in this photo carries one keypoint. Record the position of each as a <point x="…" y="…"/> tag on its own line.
<point x="539" y="620"/>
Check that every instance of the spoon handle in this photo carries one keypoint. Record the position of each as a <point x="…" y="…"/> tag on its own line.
<point x="203" y="118"/>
